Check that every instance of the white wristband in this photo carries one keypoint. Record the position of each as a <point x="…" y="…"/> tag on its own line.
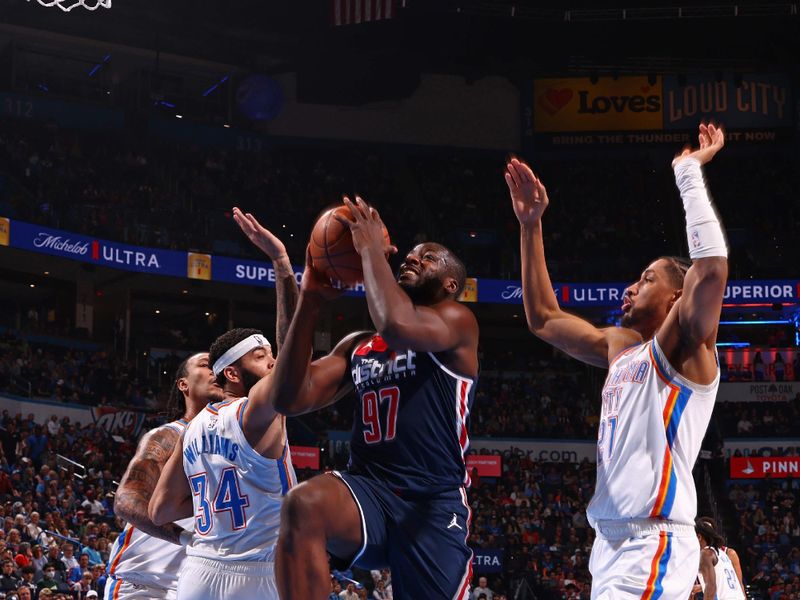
<point x="703" y="228"/>
<point x="185" y="537"/>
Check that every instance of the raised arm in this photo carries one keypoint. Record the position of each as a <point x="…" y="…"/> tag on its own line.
<point x="704" y="286"/>
<point x="298" y="385"/>
<point x="286" y="291"/>
<point x="398" y="320"/>
<point x="172" y="497"/>
<point x="567" y="332"/>
<point x="139" y="482"/>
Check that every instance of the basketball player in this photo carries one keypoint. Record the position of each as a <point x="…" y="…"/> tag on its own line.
<point x="233" y="465"/>
<point x="146" y="558"/>
<point x="718" y="576"/>
<point x="708" y="522"/>
<point x="402" y="501"/>
<point x="659" y="393"/>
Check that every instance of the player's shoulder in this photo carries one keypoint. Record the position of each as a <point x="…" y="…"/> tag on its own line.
<point x="349" y="342"/>
<point x="162" y="437"/>
<point x="619" y="340"/>
<point x="223" y="406"/>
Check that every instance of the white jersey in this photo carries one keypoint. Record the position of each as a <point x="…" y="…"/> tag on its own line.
<point x="652" y="423"/>
<point x="728" y="586"/>
<point x="236" y="492"/>
<point x="142" y="559"/>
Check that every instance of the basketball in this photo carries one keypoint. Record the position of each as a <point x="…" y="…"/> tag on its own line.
<point x="332" y="250"/>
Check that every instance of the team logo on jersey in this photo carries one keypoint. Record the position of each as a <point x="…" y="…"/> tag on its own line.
<point x="212" y="423"/>
<point x="454" y="522"/>
<point x="374" y="344"/>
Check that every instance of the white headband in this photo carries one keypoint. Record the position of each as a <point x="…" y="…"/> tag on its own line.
<point x="238" y="351"/>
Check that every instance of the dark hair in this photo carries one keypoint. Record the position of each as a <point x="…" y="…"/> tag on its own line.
<point x="706" y="527"/>
<point x="225" y="342"/>
<point x="453" y="268"/>
<point x="176" y="404"/>
<point x="677" y="267"/>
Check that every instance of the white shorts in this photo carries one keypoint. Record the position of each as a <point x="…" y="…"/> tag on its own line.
<point x="206" y="579"/>
<point x="117" y="589"/>
<point x="659" y="562"/>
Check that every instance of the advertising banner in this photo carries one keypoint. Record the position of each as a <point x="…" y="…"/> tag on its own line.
<point x="198" y="266"/>
<point x="487" y="560"/>
<point x="488" y="465"/>
<point x="752" y="102"/>
<point x="66" y="114"/>
<point x="573" y="451"/>
<point x="118" y="421"/>
<point x="305" y="457"/>
<point x="757" y="467"/>
<point x="763" y="391"/>
<point x="665" y="109"/>
<point x="577" y="104"/>
<point x="116" y="255"/>
<point x="761" y="447"/>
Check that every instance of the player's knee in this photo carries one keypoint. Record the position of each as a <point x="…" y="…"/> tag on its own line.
<point x="303" y="508"/>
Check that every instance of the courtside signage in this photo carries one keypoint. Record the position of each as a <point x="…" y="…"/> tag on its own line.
<point x="488" y="465"/>
<point x="760" y="467"/>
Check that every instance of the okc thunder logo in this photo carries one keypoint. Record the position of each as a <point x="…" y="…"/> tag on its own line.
<point x="374" y="344"/>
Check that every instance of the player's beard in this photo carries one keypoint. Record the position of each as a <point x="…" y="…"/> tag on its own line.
<point x="423" y="291"/>
<point x="249" y="379"/>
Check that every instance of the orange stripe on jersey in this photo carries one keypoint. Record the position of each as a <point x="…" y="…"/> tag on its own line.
<point x="125" y="544"/>
<point x="669" y="408"/>
<point x="286" y="467"/>
<point x="666" y="475"/>
<point x="654" y="567"/>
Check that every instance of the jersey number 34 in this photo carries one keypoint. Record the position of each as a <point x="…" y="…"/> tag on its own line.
<point x="228" y="498"/>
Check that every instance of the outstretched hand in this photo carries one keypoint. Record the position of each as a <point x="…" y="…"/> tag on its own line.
<point x="528" y="194"/>
<point x="711" y="139"/>
<point x="366" y="227"/>
<point x="262" y="237"/>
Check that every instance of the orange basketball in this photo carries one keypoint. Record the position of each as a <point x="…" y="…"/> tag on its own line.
<point x="332" y="251"/>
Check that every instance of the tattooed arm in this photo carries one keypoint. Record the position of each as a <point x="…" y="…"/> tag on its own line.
<point x="139" y="482"/>
<point x="172" y="498"/>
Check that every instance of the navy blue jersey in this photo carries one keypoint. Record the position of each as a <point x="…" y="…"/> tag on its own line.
<point x="410" y="428"/>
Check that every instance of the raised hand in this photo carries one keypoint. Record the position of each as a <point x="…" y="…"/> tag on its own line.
<point x="262" y="237"/>
<point x="528" y="194"/>
<point x="316" y="283"/>
<point x="366" y="227"/>
<point x="711" y="139"/>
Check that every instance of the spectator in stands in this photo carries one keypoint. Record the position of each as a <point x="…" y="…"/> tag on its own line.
<point x="380" y="592"/>
<point x="8" y="580"/>
<point x="336" y="589"/>
<point x="76" y="573"/>
<point x="24" y="593"/>
<point x="482" y="588"/>
<point x="49" y="580"/>
<point x="29" y="577"/>
<point x="35" y="446"/>
<point x="349" y="593"/>
<point x="53" y="426"/>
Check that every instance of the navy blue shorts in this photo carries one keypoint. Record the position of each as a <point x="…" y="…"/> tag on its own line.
<point x="423" y="541"/>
